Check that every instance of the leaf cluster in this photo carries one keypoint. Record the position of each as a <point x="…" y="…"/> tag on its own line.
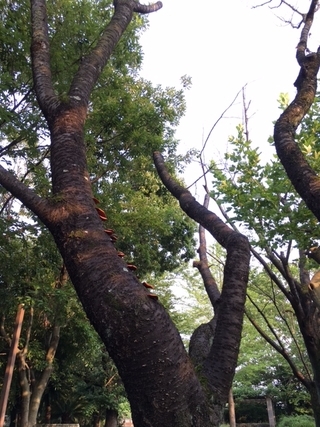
<point x="260" y="197"/>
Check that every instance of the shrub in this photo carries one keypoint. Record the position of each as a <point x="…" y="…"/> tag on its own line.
<point x="296" y="421"/>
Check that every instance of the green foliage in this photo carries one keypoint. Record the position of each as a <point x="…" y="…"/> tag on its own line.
<point x="191" y="306"/>
<point x="297" y="421"/>
<point x="85" y="381"/>
<point x="261" y="369"/>
<point x="260" y="200"/>
<point x="260" y="196"/>
<point x="128" y="120"/>
<point x="251" y="411"/>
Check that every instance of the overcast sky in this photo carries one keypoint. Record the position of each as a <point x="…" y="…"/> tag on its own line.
<point x="223" y="45"/>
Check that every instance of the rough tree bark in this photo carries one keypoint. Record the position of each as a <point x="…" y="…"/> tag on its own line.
<point x="159" y="378"/>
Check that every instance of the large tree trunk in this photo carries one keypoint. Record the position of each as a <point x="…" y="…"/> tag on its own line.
<point x="315" y="403"/>
<point x="158" y="376"/>
<point x="138" y="333"/>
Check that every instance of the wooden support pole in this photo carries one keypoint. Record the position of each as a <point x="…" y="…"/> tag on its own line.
<point x="232" y="412"/>
<point x="10" y="364"/>
<point x="271" y="415"/>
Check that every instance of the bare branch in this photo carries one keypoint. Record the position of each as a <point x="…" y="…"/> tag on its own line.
<point x="280" y="346"/>
<point x="200" y="177"/>
<point x="262" y="4"/>
<point x="297" y="373"/>
<point x="271" y="274"/>
<point x="218" y="120"/>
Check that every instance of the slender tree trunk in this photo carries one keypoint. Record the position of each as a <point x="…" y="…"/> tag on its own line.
<point x="48" y="409"/>
<point x="31" y="395"/>
<point x="111" y="418"/>
<point x="96" y="419"/>
<point x="40" y="385"/>
<point x="10" y="364"/>
<point x="25" y="389"/>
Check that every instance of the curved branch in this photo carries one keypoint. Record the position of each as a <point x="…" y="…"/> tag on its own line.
<point x="209" y="220"/>
<point x="302" y="176"/>
<point x="230" y="308"/>
<point x="143" y="8"/>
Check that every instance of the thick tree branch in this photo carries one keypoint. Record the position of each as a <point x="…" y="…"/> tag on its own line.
<point x="308" y="20"/>
<point x="40" y="54"/>
<point x="27" y="196"/>
<point x="302" y="176"/>
<point x="209" y="220"/>
<point x="92" y="64"/>
<point x="230" y="308"/>
<point x="143" y="8"/>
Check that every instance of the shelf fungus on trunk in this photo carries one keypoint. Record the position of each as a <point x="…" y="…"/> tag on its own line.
<point x="101" y="214"/>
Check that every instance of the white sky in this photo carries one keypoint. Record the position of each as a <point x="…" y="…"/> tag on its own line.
<point x="223" y="45"/>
